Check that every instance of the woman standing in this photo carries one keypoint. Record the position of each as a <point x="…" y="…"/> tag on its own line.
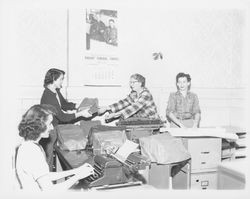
<point x="51" y="95"/>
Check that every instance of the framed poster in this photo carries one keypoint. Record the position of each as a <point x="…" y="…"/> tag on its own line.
<point x="101" y="50"/>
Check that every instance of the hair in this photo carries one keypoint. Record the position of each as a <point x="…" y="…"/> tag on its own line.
<point x="179" y="75"/>
<point x="52" y="75"/>
<point x="33" y="122"/>
<point x="139" y="78"/>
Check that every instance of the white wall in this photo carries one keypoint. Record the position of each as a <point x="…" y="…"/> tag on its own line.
<point x="207" y="43"/>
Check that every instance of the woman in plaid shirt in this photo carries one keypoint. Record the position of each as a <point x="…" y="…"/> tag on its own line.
<point x="183" y="106"/>
<point x="139" y="103"/>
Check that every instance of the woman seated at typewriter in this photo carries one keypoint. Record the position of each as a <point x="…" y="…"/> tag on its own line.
<point x="139" y="103"/>
<point x="31" y="167"/>
<point x="183" y="108"/>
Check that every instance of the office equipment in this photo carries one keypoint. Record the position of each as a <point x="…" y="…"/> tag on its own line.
<point x="101" y="137"/>
<point x="163" y="149"/>
<point x="204" y="145"/>
<point x="135" y="161"/>
<point x="135" y="122"/>
<point x="168" y="156"/>
<point x="140" y="127"/>
<point x="109" y="171"/>
<point x="71" y="137"/>
<point x="161" y="176"/>
<point x="205" y="158"/>
<point x="125" y="150"/>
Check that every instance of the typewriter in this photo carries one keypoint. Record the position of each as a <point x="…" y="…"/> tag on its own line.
<point x="140" y="122"/>
<point x="140" y="127"/>
<point x="109" y="172"/>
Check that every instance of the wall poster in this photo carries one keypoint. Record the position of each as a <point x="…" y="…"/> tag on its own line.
<point x="101" y="50"/>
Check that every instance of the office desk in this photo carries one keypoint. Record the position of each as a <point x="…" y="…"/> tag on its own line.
<point x="74" y="159"/>
<point x="158" y="176"/>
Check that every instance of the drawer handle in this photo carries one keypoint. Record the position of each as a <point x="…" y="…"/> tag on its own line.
<point x="205" y="152"/>
<point x="203" y="162"/>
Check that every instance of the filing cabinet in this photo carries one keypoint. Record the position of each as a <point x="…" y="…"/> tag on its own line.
<point x="204" y="180"/>
<point x="205" y="153"/>
<point x="205" y="157"/>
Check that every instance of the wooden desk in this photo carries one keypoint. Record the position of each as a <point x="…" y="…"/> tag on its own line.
<point x="158" y="176"/>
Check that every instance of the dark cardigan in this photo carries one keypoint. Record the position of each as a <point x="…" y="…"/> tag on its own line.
<point x="49" y="97"/>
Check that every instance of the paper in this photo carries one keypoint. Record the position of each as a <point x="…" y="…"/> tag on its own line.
<point x="200" y="132"/>
<point x="125" y="150"/>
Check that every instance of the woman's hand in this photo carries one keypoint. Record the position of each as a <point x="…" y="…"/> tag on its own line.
<point x="112" y="115"/>
<point x="102" y="109"/>
<point x="84" y="113"/>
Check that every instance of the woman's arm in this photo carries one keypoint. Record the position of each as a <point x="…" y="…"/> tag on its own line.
<point x="175" y="120"/>
<point x="196" y="112"/>
<point x="136" y="106"/>
<point x="45" y="181"/>
<point x="46" y="184"/>
<point x="197" y="117"/>
<point x="62" y="174"/>
<point x="121" y="104"/>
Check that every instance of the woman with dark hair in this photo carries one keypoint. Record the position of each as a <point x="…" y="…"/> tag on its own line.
<point x="31" y="166"/>
<point x="183" y="108"/>
<point x="139" y="102"/>
<point x="53" y="83"/>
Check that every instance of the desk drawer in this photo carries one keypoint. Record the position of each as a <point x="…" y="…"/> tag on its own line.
<point x="207" y="180"/>
<point x="205" y="153"/>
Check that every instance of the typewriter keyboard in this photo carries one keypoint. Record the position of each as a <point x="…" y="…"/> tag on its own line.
<point x="97" y="174"/>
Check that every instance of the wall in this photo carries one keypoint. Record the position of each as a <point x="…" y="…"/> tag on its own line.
<point x="207" y="43"/>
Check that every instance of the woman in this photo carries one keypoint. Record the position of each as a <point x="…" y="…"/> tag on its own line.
<point x="139" y="102"/>
<point x="31" y="166"/>
<point x="183" y="108"/>
<point x="53" y="83"/>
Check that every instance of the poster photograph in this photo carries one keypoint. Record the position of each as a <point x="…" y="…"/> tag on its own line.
<point x="101" y="29"/>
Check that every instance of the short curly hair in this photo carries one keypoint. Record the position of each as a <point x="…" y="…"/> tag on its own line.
<point x="179" y="75"/>
<point x="33" y="122"/>
<point x="52" y="75"/>
<point x="139" y="78"/>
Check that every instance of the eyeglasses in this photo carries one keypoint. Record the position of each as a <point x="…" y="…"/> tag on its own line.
<point x="132" y="82"/>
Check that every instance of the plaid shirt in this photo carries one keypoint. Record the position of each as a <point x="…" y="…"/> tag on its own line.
<point x="142" y="106"/>
<point x="183" y="108"/>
